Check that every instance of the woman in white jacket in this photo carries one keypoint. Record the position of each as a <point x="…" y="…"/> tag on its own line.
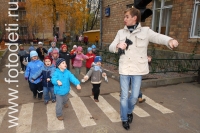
<point x="134" y="63"/>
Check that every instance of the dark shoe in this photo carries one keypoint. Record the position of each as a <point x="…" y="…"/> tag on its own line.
<point x="53" y="101"/>
<point x="140" y="100"/>
<point x="130" y="118"/>
<point x="96" y="100"/>
<point x="34" y="97"/>
<point x="46" y="102"/>
<point x="125" y="124"/>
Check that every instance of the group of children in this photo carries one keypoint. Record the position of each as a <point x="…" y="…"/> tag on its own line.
<point x="51" y="74"/>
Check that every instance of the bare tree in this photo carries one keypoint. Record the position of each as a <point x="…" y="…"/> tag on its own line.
<point x="95" y="16"/>
<point x="94" y="10"/>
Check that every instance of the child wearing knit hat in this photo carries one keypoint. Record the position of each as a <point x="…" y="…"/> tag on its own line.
<point x="72" y="52"/>
<point x="66" y="55"/>
<point x="46" y="71"/>
<point x="53" y="47"/>
<point x="54" y="56"/>
<point x="96" y="73"/>
<point x="32" y="67"/>
<point x="90" y="59"/>
<point x="31" y="48"/>
<point x="78" y="60"/>
<point x="61" y="79"/>
<point x="94" y="50"/>
<point x="41" y="51"/>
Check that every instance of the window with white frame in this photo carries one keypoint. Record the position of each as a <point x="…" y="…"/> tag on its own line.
<point x="195" y="27"/>
<point x="162" y="10"/>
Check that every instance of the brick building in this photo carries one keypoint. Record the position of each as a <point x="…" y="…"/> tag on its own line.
<point x="179" y="19"/>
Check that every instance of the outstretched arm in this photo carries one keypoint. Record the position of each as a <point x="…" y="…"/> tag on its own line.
<point x="74" y="80"/>
<point x="157" y="38"/>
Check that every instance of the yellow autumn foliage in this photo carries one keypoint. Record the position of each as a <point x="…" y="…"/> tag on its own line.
<point x="73" y="12"/>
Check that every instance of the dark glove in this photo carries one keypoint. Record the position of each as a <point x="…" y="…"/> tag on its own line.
<point x="26" y="78"/>
<point x="121" y="51"/>
<point x="128" y="42"/>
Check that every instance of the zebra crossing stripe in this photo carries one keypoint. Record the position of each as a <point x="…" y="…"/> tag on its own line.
<point x="140" y="112"/>
<point x="25" y="118"/>
<point x="156" y="105"/>
<point x="2" y="113"/>
<point x="82" y="74"/>
<point x="137" y="110"/>
<point x="53" y="122"/>
<point x="82" y="112"/>
<point x="110" y="112"/>
<point x="73" y="93"/>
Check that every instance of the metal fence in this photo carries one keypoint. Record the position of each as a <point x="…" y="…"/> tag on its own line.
<point x="157" y="65"/>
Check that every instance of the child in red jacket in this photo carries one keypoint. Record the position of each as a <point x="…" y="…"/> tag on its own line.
<point x="90" y="59"/>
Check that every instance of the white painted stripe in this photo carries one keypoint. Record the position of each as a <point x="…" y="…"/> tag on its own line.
<point x="73" y="93"/>
<point x="82" y="74"/>
<point x="110" y="112"/>
<point x="53" y="122"/>
<point x="2" y="113"/>
<point x="82" y="112"/>
<point x="137" y="110"/>
<point x="140" y="112"/>
<point x="156" y="105"/>
<point x="25" y="118"/>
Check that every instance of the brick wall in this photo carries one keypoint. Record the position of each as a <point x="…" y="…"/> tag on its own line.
<point x="3" y="15"/>
<point x="179" y="26"/>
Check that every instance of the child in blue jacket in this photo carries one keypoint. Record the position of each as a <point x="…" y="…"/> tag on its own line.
<point x="32" y="67"/>
<point x="46" y="71"/>
<point x="61" y="79"/>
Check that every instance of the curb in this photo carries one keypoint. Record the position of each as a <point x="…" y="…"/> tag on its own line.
<point x="156" y="82"/>
<point x="167" y="81"/>
<point x="3" y="55"/>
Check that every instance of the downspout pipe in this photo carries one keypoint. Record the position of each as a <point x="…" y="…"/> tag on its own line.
<point x="101" y="23"/>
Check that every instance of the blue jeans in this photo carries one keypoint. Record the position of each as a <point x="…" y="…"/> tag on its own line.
<point x="140" y="94"/>
<point x="127" y="102"/>
<point x="46" y="91"/>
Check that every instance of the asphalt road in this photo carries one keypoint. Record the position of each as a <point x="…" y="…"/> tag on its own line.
<point x="168" y="109"/>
